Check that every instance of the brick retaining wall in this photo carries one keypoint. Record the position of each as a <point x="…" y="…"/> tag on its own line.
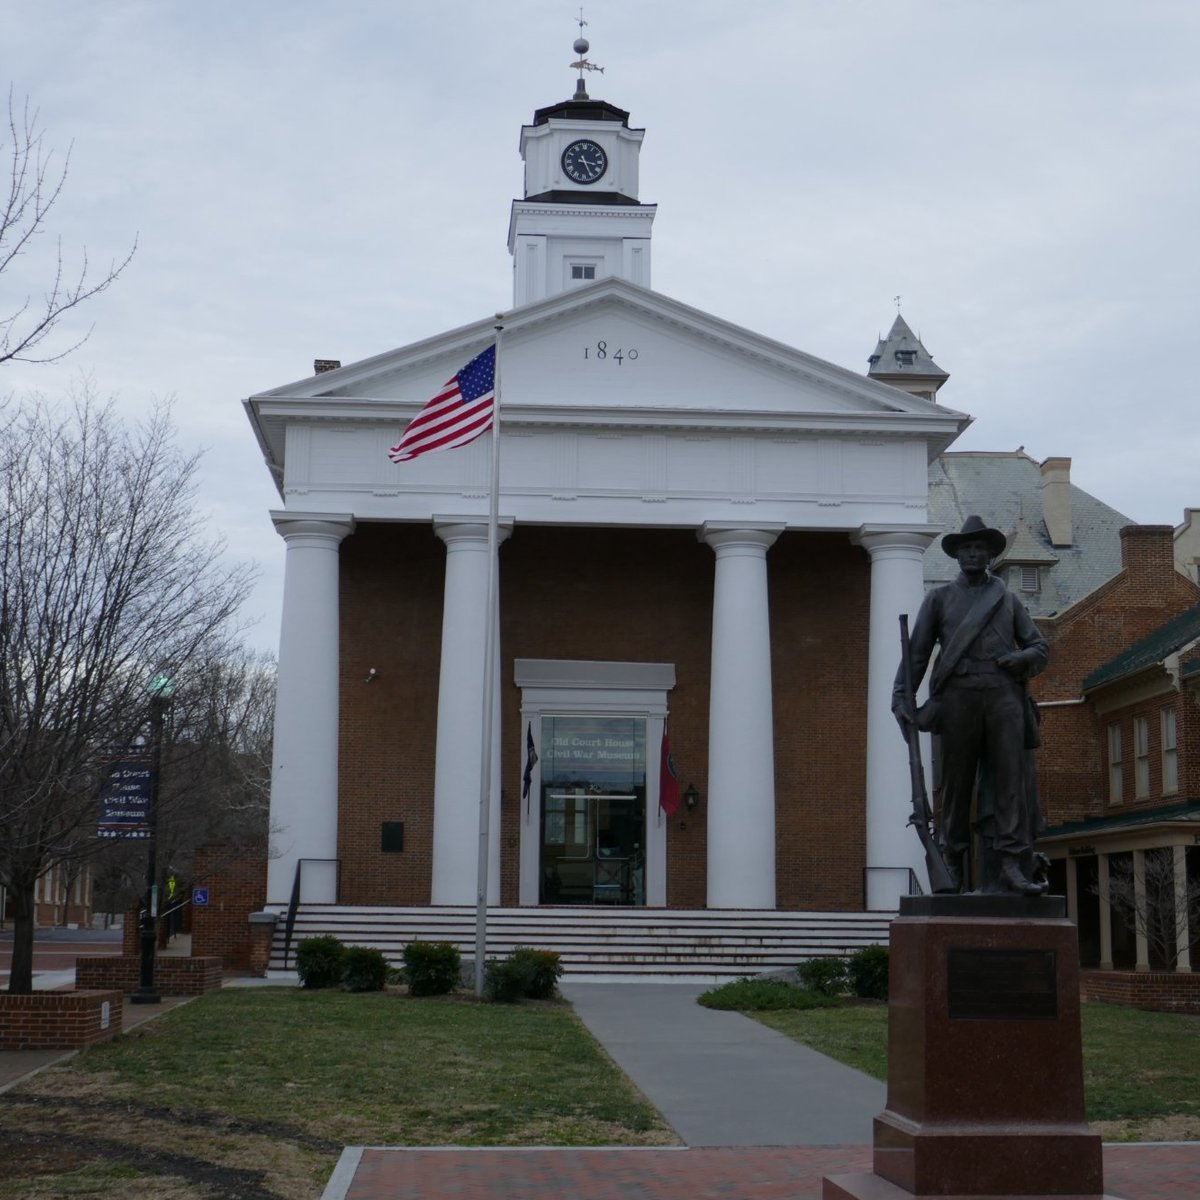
<point x="173" y="975"/>
<point x="59" y="1020"/>
<point x="1158" y="991"/>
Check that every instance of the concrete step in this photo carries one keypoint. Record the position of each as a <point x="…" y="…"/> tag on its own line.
<point x="607" y="942"/>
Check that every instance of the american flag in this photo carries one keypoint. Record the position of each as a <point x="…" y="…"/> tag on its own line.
<point x="458" y="414"/>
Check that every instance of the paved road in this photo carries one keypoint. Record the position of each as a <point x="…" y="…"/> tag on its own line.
<point x="55" y="951"/>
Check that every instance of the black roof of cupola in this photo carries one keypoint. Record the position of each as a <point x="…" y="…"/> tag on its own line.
<point x="586" y="109"/>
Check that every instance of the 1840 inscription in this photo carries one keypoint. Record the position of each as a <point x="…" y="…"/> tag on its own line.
<point x="1002" y="985"/>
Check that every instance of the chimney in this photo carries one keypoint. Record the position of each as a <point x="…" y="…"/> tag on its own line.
<point x="1056" y="500"/>
<point x="1148" y="550"/>
<point x="321" y="365"/>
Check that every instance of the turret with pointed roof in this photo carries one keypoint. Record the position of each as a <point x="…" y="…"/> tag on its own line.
<point x="902" y="361"/>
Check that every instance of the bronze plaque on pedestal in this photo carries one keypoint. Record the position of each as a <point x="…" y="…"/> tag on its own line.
<point x="1001" y="985"/>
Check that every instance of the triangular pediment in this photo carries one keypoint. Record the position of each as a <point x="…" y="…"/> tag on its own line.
<point x="614" y="352"/>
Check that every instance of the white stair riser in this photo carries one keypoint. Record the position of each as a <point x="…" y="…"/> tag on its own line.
<point x="605" y="943"/>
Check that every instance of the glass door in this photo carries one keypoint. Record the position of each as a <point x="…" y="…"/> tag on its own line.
<point x="593" y="810"/>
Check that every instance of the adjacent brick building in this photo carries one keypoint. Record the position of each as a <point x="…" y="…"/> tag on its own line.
<point x="1119" y="766"/>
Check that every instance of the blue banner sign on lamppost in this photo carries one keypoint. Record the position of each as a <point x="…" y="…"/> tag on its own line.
<point x="126" y="797"/>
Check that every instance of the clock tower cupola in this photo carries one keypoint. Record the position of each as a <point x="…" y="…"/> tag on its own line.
<point x="580" y="218"/>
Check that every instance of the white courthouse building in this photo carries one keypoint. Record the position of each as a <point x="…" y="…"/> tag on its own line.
<point x="701" y="527"/>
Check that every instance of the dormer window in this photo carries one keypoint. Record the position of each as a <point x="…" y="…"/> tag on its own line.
<point x="906" y="358"/>
<point x="1029" y="579"/>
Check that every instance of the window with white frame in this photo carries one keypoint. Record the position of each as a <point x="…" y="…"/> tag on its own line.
<point x="1170" y="760"/>
<point x="1141" y="759"/>
<point x="583" y="271"/>
<point x="1115" y="764"/>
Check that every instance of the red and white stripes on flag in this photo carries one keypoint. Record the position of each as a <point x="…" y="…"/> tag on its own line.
<point x="668" y="779"/>
<point x="458" y="414"/>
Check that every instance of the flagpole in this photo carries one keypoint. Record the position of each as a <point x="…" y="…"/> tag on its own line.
<point x="489" y="679"/>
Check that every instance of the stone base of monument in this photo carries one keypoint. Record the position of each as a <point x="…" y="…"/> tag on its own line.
<point x="985" y="1066"/>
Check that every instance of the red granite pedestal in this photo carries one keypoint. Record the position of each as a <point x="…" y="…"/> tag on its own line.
<point x="985" y="1066"/>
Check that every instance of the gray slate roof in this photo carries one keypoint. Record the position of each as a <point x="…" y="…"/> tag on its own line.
<point x="1005" y="489"/>
<point x="901" y="353"/>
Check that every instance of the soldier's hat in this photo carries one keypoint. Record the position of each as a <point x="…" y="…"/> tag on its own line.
<point x="973" y="527"/>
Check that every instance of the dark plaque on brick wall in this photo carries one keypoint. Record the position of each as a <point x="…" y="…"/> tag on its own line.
<point x="391" y="837"/>
<point x="1002" y="985"/>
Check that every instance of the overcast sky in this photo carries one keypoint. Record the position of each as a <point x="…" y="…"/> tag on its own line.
<point x="318" y="180"/>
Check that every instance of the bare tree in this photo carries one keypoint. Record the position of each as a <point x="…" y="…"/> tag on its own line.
<point x="35" y="185"/>
<point x="217" y="760"/>
<point x="1162" y="909"/>
<point x="107" y="579"/>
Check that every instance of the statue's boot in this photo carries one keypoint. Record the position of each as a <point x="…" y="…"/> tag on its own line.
<point x="1015" y="880"/>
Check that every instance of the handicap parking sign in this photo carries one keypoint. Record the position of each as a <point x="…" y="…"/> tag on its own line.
<point x="200" y="896"/>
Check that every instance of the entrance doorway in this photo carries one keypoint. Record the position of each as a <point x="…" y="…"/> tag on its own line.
<point x="591" y="829"/>
<point x="593" y="810"/>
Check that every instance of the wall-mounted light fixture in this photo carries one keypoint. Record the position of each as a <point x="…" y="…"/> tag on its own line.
<point x="372" y="675"/>
<point x="691" y="797"/>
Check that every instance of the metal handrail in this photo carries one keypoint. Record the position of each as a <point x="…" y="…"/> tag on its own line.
<point x="294" y="902"/>
<point x="914" y="881"/>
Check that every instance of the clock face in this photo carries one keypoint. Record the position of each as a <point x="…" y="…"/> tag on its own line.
<point x="584" y="162"/>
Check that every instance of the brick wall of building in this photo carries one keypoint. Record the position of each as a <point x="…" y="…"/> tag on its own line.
<point x="58" y="1020"/>
<point x="391" y="619"/>
<point x="235" y="877"/>
<point x="1145" y="594"/>
<point x="602" y="594"/>
<point x="1153" y="794"/>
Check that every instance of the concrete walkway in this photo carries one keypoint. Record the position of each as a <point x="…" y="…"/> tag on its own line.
<point x="722" y="1079"/>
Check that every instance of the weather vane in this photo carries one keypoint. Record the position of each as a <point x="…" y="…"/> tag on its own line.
<point x="897" y="300"/>
<point x="581" y="48"/>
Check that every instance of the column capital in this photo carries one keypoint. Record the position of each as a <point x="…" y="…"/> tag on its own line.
<point x="728" y="536"/>
<point x="458" y="530"/>
<point x="322" y="526"/>
<point x="873" y="538"/>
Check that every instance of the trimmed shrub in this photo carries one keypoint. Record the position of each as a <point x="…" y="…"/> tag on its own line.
<point x="867" y="972"/>
<point x="526" y="974"/>
<point x="432" y="968"/>
<point x="825" y="976"/>
<point x="543" y="968"/>
<point x="319" y="961"/>
<point x="506" y="980"/>
<point x="364" y="969"/>
<point x="762" y="995"/>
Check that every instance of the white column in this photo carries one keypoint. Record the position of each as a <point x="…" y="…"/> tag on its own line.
<point x="1106" y="958"/>
<point x="897" y="586"/>
<point x="304" y="791"/>
<point x="1183" y="928"/>
<point x="1139" y="907"/>
<point x="741" y="751"/>
<point x="456" y="780"/>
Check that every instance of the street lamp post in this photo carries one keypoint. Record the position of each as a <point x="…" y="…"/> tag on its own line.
<point x="160" y="698"/>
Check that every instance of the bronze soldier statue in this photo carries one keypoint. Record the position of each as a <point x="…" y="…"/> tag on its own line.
<point x="979" y="706"/>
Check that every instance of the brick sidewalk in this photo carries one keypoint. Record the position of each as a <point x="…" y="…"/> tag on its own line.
<point x="1134" y="1172"/>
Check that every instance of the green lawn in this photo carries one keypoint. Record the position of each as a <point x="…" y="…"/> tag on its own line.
<point x="1141" y="1070"/>
<point x="263" y="1087"/>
